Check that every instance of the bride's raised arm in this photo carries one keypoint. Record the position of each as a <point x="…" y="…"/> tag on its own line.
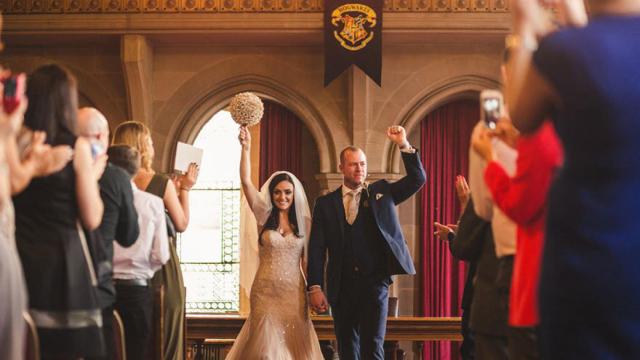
<point x="249" y="189"/>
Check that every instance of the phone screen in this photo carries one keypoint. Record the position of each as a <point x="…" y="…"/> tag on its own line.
<point x="10" y="86"/>
<point x="492" y="111"/>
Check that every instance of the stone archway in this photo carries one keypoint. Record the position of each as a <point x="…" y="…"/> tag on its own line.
<point x="465" y="86"/>
<point x="195" y="112"/>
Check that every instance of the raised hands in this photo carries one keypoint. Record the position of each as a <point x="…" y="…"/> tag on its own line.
<point x="245" y="138"/>
<point x="506" y="132"/>
<point x="188" y="179"/>
<point x="530" y="19"/>
<point x="398" y="135"/>
<point x="533" y="18"/>
<point x="11" y="123"/>
<point x="462" y="191"/>
<point x="481" y="144"/>
<point x="572" y="12"/>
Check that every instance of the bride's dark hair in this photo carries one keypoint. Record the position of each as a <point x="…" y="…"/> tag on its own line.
<point x="273" y="222"/>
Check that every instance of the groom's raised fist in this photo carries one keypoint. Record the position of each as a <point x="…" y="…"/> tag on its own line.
<point x="397" y="134"/>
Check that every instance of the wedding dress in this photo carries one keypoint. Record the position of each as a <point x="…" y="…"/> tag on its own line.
<point x="279" y="326"/>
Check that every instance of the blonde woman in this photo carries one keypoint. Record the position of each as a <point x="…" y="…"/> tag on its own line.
<point x="176" y="202"/>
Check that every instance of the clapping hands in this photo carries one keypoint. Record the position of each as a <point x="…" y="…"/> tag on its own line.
<point x="442" y="231"/>
<point x="47" y="159"/>
<point x="83" y="160"/>
<point x="462" y="191"/>
<point x="532" y="18"/>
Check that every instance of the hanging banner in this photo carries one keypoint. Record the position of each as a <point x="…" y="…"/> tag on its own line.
<point x="352" y="36"/>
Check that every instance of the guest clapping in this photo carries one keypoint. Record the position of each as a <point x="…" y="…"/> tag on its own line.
<point x="50" y="214"/>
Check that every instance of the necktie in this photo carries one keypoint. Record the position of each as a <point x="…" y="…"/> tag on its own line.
<point x="352" y="209"/>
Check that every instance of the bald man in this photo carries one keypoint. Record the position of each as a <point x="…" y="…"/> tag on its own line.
<point x="120" y="219"/>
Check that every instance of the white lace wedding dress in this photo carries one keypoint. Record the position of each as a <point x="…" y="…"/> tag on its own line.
<point x="278" y="327"/>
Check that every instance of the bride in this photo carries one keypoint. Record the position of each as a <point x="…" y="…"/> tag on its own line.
<point x="278" y="327"/>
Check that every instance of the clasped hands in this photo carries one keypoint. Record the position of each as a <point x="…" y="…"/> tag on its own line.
<point x="318" y="300"/>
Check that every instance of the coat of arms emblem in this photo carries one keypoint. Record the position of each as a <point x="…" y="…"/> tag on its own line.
<point x="355" y="23"/>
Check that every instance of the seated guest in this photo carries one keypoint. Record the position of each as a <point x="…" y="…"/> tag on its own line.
<point x="133" y="267"/>
<point x="120" y="219"/>
<point x="50" y="215"/>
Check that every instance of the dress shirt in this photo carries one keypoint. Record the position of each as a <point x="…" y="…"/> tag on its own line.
<point x="351" y="197"/>
<point x="151" y="250"/>
<point x="504" y="230"/>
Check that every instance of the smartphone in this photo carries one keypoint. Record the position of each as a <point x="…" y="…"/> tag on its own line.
<point x="491" y="107"/>
<point x="13" y="93"/>
<point x="96" y="149"/>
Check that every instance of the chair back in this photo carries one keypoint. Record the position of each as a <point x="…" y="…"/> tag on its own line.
<point x="157" y="343"/>
<point x="32" y="345"/>
<point x="393" y="307"/>
<point x="120" y="350"/>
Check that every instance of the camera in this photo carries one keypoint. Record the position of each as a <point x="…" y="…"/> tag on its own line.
<point x="491" y="105"/>
<point x="13" y="93"/>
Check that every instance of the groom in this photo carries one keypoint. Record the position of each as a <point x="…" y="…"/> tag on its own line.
<point x="358" y="225"/>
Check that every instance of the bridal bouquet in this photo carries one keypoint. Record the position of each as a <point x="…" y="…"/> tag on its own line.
<point x="246" y="109"/>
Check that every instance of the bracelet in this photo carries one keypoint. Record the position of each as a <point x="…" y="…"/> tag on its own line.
<point x="517" y="41"/>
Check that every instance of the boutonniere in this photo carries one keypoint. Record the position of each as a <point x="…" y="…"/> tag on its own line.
<point x="379" y="196"/>
<point x="365" y="190"/>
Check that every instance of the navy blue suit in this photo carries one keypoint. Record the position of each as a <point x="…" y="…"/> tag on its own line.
<point x="361" y="258"/>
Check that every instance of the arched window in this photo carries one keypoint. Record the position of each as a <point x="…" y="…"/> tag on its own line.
<point x="209" y="249"/>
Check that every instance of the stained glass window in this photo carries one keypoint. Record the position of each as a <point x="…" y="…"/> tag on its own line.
<point x="209" y="249"/>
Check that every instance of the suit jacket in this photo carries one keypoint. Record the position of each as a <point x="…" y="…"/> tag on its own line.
<point x="474" y="243"/>
<point x="119" y="223"/>
<point x="327" y="231"/>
